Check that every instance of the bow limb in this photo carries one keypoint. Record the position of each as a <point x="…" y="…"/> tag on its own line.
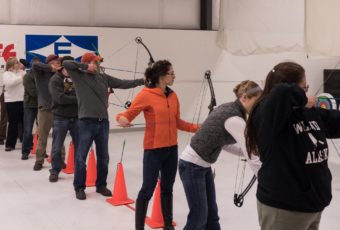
<point x="212" y="92"/>
<point x="140" y="41"/>
<point x="239" y="198"/>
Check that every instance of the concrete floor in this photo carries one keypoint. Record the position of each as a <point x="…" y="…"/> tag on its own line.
<point x="28" y="201"/>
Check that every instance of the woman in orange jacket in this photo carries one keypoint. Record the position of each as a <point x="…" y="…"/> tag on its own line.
<point x="160" y="106"/>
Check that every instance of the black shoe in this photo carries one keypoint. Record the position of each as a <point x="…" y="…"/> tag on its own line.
<point x="24" y="156"/>
<point x="7" y="149"/>
<point x="80" y="194"/>
<point x="2" y="142"/>
<point x="37" y="166"/>
<point x="140" y="214"/>
<point x="104" y="191"/>
<point x="53" y="177"/>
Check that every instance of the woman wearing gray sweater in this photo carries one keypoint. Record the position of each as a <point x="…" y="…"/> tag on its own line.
<point x="223" y="129"/>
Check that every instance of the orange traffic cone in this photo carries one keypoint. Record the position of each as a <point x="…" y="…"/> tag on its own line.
<point x="119" y="196"/>
<point x="156" y="220"/>
<point x="91" y="173"/>
<point x="70" y="160"/>
<point x="49" y="158"/>
<point x="35" y="142"/>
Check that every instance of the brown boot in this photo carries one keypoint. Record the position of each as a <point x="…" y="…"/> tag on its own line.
<point x="37" y="166"/>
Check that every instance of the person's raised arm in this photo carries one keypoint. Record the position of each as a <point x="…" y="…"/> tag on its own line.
<point x="73" y="65"/>
<point x="331" y="121"/>
<point x="123" y="84"/>
<point x="42" y="67"/>
<point x="279" y="105"/>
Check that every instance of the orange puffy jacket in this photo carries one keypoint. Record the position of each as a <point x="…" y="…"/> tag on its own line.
<point x="162" y="115"/>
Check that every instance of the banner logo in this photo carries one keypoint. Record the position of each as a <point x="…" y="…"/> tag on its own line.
<point x="62" y="45"/>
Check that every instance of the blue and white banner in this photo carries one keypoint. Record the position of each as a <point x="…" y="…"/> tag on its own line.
<point x="62" y="45"/>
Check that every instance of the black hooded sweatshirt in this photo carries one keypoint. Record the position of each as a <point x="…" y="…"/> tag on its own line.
<point x="293" y="149"/>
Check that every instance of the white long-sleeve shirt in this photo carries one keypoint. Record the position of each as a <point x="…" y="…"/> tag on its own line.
<point x="235" y="126"/>
<point x="13" y="82"/>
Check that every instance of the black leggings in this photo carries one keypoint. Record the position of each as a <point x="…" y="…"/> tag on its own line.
<point x="15" y="113"/>
<point x="164" y="161"/>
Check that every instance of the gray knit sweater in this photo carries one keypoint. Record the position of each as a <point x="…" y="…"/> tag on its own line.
<point x="42" y="74"/>
<point x="92" y="89"/>
<point x="212" y="136"/>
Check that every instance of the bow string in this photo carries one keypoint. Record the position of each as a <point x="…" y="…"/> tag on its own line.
<point x="138" y="40"/>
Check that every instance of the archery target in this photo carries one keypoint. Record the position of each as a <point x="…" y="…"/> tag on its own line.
<point x="326" y="101"/>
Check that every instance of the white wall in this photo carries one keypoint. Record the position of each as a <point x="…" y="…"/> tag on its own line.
<point x="257" y="66"/>
<point x="175" y="14"/>
<point x="191" y="53"/>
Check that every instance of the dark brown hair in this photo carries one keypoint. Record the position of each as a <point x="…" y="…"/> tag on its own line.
<point x="285" y="72"/>
<point x="153" y="73"/>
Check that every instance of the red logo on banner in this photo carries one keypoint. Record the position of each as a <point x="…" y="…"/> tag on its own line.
<point x="7" y="51"/>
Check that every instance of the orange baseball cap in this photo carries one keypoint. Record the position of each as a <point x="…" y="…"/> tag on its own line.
<point x="88" y="57"/>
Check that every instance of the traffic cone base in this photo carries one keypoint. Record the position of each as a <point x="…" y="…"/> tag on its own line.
<point x="70" y="160"/>
<point x="117" y="203"/>
<point x="156" y="224"/>
<point x="90" y="184"/>
<point x="119" y="196"/>
<point x="49" y="158"/>
<point x="91" y="172"/>
<point x="35" y="142"/>
<point x="68" y="170"/>
<point x="156" y="220"/>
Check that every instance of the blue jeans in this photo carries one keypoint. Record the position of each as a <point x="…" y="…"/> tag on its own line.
<point x="30" y="115"/>
<point x="97" y="130"/>
<point x="162" y="160"/>
<point x="60" y="127"/>
<point x="199" y="189"/>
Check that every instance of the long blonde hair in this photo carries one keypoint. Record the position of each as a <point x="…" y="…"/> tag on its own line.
<point x="11" y="63"/>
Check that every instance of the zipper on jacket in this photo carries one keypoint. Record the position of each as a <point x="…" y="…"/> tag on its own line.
<point x="167" y="101"/>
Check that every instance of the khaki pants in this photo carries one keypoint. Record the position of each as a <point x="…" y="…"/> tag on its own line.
<point x="271" y="218"/>
<point x="45" y="122"/>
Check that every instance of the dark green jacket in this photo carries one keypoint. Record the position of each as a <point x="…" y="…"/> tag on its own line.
<point x="31" y="95"/>
<point x="64" y="100"/>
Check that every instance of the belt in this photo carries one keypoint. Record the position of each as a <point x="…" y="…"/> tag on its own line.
<point x="93" y="119"/>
